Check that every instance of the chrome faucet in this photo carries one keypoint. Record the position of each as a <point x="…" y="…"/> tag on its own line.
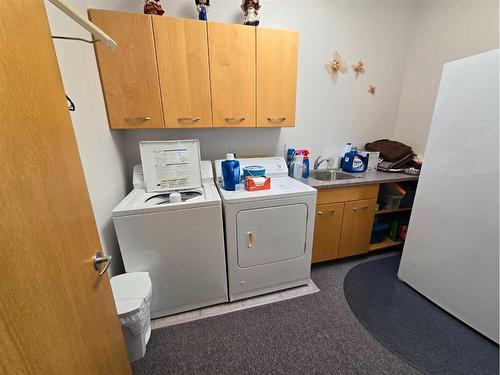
<point x="318" y="162"/>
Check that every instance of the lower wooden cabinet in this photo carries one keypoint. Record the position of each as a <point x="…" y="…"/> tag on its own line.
<point x="357" y="227"/>
<point x="344" y="220"/>
<point x="327" y="230"/>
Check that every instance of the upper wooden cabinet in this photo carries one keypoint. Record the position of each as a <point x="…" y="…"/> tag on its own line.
<point x="232" y="74"/>
<point x="276" y="77"/>
<point x="129" y="74"/>
<point x="182" y="73"/>
<point x="182" y="55"/>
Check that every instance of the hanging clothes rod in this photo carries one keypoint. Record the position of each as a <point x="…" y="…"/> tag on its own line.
<point x="74" y="38"/>
<point x="73" y="13"/>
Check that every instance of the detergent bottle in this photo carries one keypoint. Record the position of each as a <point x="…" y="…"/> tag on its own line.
<point x="230" y="172"/>
<point x="354" y="162"/>
<point x="305" y="162"/>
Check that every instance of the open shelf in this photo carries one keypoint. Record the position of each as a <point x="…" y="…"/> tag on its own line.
<point x="388" y="211"/>
<point x="382" y="245"/>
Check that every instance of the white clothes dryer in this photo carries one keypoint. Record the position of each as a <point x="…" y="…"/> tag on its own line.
<point x="268" y="233"/>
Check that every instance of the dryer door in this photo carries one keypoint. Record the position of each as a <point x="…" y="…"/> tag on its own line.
<point x="272" y="234"/>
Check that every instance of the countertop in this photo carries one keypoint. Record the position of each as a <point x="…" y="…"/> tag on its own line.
<point x="364" y="178"/>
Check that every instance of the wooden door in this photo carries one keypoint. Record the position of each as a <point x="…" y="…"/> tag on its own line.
<point x="129" y="74"/>
<point x="232" y="74"/>
<point x="327" y="230"/>
<point x="357" y="227"/>
<point x="182" y="53"/>
<point x="277" y="54"/>
<point x="57" y="316"/>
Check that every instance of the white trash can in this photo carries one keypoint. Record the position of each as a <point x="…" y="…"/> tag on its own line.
<point x="132" y="293"/>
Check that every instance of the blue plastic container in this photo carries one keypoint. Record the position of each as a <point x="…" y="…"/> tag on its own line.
<point x="254" y="171"/>
<point x="230" y="173"/>
<point x="379" y="232"/>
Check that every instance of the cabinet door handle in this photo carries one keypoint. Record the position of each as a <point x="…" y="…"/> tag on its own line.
<point x="190" y="119"/>
<point x="326" y="213"/>
<point x="234" y="119"/>
<point x="140" y="118"/>
<point x="276" y="119"/>
<point x="250" y="239"/>
<point x="359" y="208"/>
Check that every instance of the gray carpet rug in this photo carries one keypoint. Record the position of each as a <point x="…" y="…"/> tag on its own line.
<point x="312" y="334"/>
<point x="413" y="327"/>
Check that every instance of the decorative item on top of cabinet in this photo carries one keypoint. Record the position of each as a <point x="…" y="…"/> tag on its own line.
<point x="338" y="64"/>
<point x="251" y="12"/>
<point x="232" y="74"/>
<point x="183" y="69"/>
<point x="129" y="75"/>
<point x="202" y="7"/>
<point x="153" y="7"/>
<point x="277" y="53"/>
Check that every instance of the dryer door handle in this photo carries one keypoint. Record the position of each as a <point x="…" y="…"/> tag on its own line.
<point x="250" y="239"/>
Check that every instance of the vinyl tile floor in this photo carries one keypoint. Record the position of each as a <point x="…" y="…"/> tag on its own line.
<point x="225" y="308"/>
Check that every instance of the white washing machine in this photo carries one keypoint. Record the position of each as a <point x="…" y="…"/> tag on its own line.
<point x="181" y="244"/>
<point x="269" y="233"/>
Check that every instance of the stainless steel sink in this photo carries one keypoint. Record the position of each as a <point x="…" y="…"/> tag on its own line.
<point x="331" y="175"/>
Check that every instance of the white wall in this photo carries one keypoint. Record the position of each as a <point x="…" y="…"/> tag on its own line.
<point x="444" y="31"/>
<point x="99" y="147"/>
<point x="328" y="113"/>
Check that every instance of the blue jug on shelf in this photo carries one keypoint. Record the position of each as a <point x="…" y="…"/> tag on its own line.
<point x="230" y="172"/>
<point x="354" y="162"/>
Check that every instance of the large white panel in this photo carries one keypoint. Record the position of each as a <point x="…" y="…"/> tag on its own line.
<point x="452" y="250"/>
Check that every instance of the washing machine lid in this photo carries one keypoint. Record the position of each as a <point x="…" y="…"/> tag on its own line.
<point x="281" y="187"/>
<point x="132" y="285"/>
<point x="171" y="165"/>
<point x="138" y="201"/>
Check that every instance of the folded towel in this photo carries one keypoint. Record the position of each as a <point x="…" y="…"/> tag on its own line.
<point x="390" y="150"/>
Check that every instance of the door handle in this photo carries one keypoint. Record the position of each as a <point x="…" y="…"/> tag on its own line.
<point x="99" y="259"/>
<point x="250" y="239"/>
<point x="359" y="208"/>
<point x="234" y="119"/>
<point x="276" y="119"/>
<point x="325" y="213"/>
<point x="185" y="119"/>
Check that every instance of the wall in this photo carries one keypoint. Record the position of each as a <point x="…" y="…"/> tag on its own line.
<point x="99" y="147"/>
<point x="444" y="31"/>
<point x="328" y="113"/>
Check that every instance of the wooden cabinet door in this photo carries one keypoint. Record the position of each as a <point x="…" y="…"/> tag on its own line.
<point x="327" y="230"/>
<point x="232" y="74"/>
<point x="57" y="315"/>
<point x="129" y="75"/>
<point x="357" y="227"/>
<point x="276" y="77"/>
<point x="182" y="55"/>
